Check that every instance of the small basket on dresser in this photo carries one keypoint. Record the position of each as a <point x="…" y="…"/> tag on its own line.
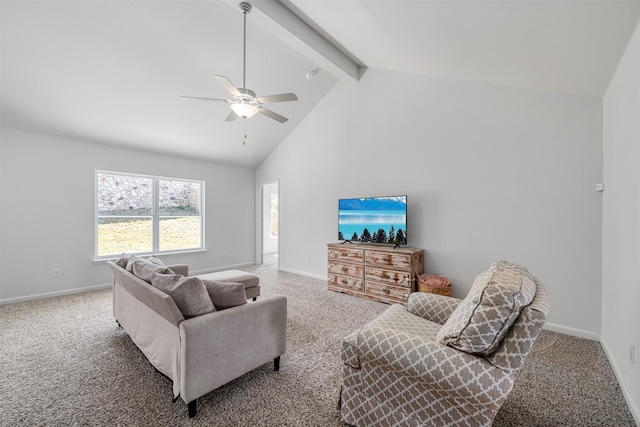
<point x="434" y="284"/>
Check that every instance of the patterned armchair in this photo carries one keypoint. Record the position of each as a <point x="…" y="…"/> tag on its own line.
<point x="443" y="361"/>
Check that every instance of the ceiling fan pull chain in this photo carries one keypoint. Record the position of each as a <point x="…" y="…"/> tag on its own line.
<point x="244" y="131"/>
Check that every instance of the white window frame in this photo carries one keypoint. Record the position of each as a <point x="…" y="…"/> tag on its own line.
<point x="155" y="215"/>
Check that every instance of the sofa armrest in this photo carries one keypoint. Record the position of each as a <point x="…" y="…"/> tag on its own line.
<point x="181" y="269"/>
<point x="433" y="307"/>
<point x="218" y="347"/>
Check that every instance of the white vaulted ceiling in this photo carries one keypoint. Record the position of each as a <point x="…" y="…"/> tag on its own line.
<point x="566" y="46"/>
<point x="112" y="71"/>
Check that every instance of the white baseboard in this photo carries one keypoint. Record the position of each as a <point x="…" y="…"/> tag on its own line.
<point x="55" y="294"/>
<point x="303" y="273"/>
<point x="104" y="286"/>
<point x="590" y="335"/>
<point x="571" y="331"/>
<point x="625" y="391"/>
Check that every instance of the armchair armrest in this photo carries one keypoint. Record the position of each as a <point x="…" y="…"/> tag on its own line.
<point x="433" y="307"/>
<point x="462" y="375"/>
<point x="349" y="353"/>
<point x="181" y="269"/>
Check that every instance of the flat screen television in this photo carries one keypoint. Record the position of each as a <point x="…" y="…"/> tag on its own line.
<point x="373" y="220"/>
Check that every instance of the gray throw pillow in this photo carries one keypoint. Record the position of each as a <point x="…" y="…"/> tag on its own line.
<point x="123" y="261"/>
<point x="144" y="268"/>
<point x="188" y="292"/>
<point x="226" y="294"/>
<point x="492" y="305"/>
<point x="155" y="260"/>
<point x="130" y="259"/>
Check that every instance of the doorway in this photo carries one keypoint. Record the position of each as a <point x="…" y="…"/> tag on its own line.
<point x="269" y="221"/>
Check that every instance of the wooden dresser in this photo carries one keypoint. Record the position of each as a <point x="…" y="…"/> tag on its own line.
<point x="379" y="273"/>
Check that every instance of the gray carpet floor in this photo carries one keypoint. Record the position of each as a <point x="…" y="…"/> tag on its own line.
<point x="66" y="362"/>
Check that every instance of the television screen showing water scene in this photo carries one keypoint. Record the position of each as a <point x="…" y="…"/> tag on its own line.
<point x="373" y="220"/>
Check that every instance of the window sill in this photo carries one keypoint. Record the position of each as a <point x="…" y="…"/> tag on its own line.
<point x="113" y="258"/>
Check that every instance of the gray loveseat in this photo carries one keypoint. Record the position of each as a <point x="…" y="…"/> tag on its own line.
<point x="201" y="353"/>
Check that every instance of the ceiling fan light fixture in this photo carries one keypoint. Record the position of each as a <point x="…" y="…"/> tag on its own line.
<point x="245" y="103"/>
<point x="244" y="110"/>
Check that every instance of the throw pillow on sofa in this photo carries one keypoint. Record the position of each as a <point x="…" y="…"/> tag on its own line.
<point x="226" y="294"/>
<point x="483" y="318"/>
<point x="144" y="268"/>
<point x="122" y="261"/>
<point x="188" y="292"/>
<point x="128" y="260"/>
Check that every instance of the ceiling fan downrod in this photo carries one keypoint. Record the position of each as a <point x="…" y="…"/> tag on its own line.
<point x="245" y="8"/>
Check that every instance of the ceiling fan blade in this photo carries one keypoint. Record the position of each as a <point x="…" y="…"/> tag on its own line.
<point x="199" y="98"/>
<point x="283" y="97"/>
<point x="231" y="117"/>
<point x="224" y="81"/>
<point x="272" y="115"/>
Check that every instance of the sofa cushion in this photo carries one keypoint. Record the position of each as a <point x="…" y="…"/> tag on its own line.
<point x="226" y="294"/>
<point x="144" y="268"/>
<point x="494" y="302"/>
<point x="188" y="292"/>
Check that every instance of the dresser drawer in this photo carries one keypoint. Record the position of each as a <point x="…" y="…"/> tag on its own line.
<point x="398" y="293"/>
<point x="388" y="259"/>
<point x="345" y="282"/>
<point x="392" y="277"/>
<point x="352" y="270"/>
<point x="346" y="254"/>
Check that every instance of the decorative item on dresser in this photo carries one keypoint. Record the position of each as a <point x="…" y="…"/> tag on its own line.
<point x="434" y="284"/>
<point x="379" y="273"/>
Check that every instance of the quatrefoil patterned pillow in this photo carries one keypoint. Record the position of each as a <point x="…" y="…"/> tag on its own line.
<point x="494" y="302"/>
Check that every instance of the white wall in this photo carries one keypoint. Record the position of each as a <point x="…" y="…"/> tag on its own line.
<point x="490" y="172"/>
<point x="48" y="202"/>
<point x="621" y="222"/>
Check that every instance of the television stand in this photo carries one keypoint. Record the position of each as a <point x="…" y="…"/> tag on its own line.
<point x="380" y="273"/>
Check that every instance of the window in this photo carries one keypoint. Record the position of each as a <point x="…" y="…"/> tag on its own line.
<point x="147" y="214"/>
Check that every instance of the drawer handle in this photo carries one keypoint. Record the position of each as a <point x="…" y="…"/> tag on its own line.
<point x="385" y="276"/>
<point x="345" y="269"/>
<point x="386" y="259"/>
<point x="344" y="281"/>
<point x="386" y="290"/>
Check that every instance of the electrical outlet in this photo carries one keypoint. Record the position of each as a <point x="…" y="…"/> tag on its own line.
<point x="56" y="272"/>
<point x="224" y="254"/>
<point x="308" y="259"/>
<point x="632" y="353"/>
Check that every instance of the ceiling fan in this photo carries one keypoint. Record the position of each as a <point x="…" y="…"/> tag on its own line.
<point x="245" y="103"/>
